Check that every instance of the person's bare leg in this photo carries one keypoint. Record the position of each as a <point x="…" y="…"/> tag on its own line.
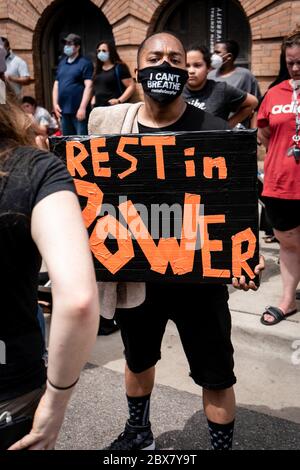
<point x="219" y="405"/>
<point x="139" y="385"/>
<point x="289" y="267"/>
<point x="137" y="434"/>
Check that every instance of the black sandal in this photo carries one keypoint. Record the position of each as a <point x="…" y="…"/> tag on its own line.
<point x="277" y="314"/>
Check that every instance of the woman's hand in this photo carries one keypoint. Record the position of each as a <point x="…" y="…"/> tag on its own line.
<point x="113" y="101"/>
<point x="263" y="136"/>
<point x="241" y="282"/>
<point x="47" y="422"/>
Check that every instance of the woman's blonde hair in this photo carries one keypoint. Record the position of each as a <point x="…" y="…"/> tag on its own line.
<point x="15" y="127"/>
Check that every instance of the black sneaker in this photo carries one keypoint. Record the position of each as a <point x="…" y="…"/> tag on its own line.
<point x="107" y="327"/>
<point x="134" y="438"/>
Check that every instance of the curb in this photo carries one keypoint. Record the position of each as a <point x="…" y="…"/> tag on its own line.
<point x="246" y="327"/>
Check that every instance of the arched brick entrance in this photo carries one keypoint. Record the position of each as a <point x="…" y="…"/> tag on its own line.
<point x="205" y="22"/>
<point x="60" y="18"/>
<point x="24" y="21"/>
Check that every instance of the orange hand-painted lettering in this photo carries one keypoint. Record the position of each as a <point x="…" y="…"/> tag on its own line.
<point x="120" y="151"/>
<point x="74" y="162"/>
<point x="113" y="262"/>
<point x="239" y="259"/>
<point x="94" y="202"/>
<point x="99" y="157"/>
<point x="159" y="142"/>
<point x="212" y="245"/>
<point x="210" y="163"/>
<point x="180" y="255"/>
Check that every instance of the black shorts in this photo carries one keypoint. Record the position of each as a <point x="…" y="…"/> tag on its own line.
<point x="284" y="214"/>
<point x="203" y="320"/>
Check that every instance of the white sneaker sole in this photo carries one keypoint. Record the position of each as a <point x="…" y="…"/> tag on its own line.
<point x="151" y="447"/>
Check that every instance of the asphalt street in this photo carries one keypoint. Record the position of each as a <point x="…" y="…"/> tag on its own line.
<point x="267" y="365"/>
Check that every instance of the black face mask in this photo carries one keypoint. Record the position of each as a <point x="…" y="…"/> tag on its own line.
<point x="163" y="83"/>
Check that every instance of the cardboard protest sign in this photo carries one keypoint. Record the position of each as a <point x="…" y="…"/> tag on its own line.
<point x="175" y="207"/>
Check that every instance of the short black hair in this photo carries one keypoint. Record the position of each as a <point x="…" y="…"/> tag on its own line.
<point x="5" y="41"/>
<point x="143" y="43"/>
<point x="232" y="47"/>
<point x="29" y="100"/>
<point x="204" y="51"/>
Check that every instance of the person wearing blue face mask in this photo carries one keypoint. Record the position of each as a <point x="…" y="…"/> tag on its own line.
<point x="72" y="90"/>
<point x="112" y="81"/>
<point x="113" y="84"/>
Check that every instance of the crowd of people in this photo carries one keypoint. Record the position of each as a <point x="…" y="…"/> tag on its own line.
<point x="36" y="189"/>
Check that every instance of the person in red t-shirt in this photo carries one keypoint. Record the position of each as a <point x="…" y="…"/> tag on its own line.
<point x="277" y="122"/>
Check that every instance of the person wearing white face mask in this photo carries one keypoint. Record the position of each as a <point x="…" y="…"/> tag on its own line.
<point x="72" y="88"/>
<point x="225" y="70"/>
<point x="112" y="81"/>
<point x="216" y="61"/>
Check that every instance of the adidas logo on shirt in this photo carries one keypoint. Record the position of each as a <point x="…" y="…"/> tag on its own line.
<point x="285" y="108"/>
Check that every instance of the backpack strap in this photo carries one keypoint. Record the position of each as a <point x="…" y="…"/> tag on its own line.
<point x="120" y="84"/>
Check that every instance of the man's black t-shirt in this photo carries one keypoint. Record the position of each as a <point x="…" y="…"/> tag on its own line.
<point x="30" y="176"/>
<point x="193" y="119"/>
<point x="217" y="98"/>
<point x="107" y="85"/>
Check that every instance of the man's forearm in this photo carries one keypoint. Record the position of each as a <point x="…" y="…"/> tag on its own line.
<point x="55" y="94"/>
<point x="87" y="95"/>
<point x="240" y="116"/>
<point x="20" y="80"/>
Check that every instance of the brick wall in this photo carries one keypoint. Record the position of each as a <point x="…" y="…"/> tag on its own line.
<point x="270" y="20"/>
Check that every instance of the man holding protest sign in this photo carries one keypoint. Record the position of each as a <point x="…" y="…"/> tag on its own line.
<point x="204" y="331"/>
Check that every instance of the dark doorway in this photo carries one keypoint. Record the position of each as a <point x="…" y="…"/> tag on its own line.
<point x="205" y="21"/>
<point x="64" y="17"/>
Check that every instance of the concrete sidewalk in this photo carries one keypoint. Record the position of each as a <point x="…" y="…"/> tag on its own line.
<point x="267" y="367"/>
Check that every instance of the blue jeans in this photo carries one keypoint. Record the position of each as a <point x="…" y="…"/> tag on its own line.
<point x="41" y="320"/>
<point x="71" y="126"/>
